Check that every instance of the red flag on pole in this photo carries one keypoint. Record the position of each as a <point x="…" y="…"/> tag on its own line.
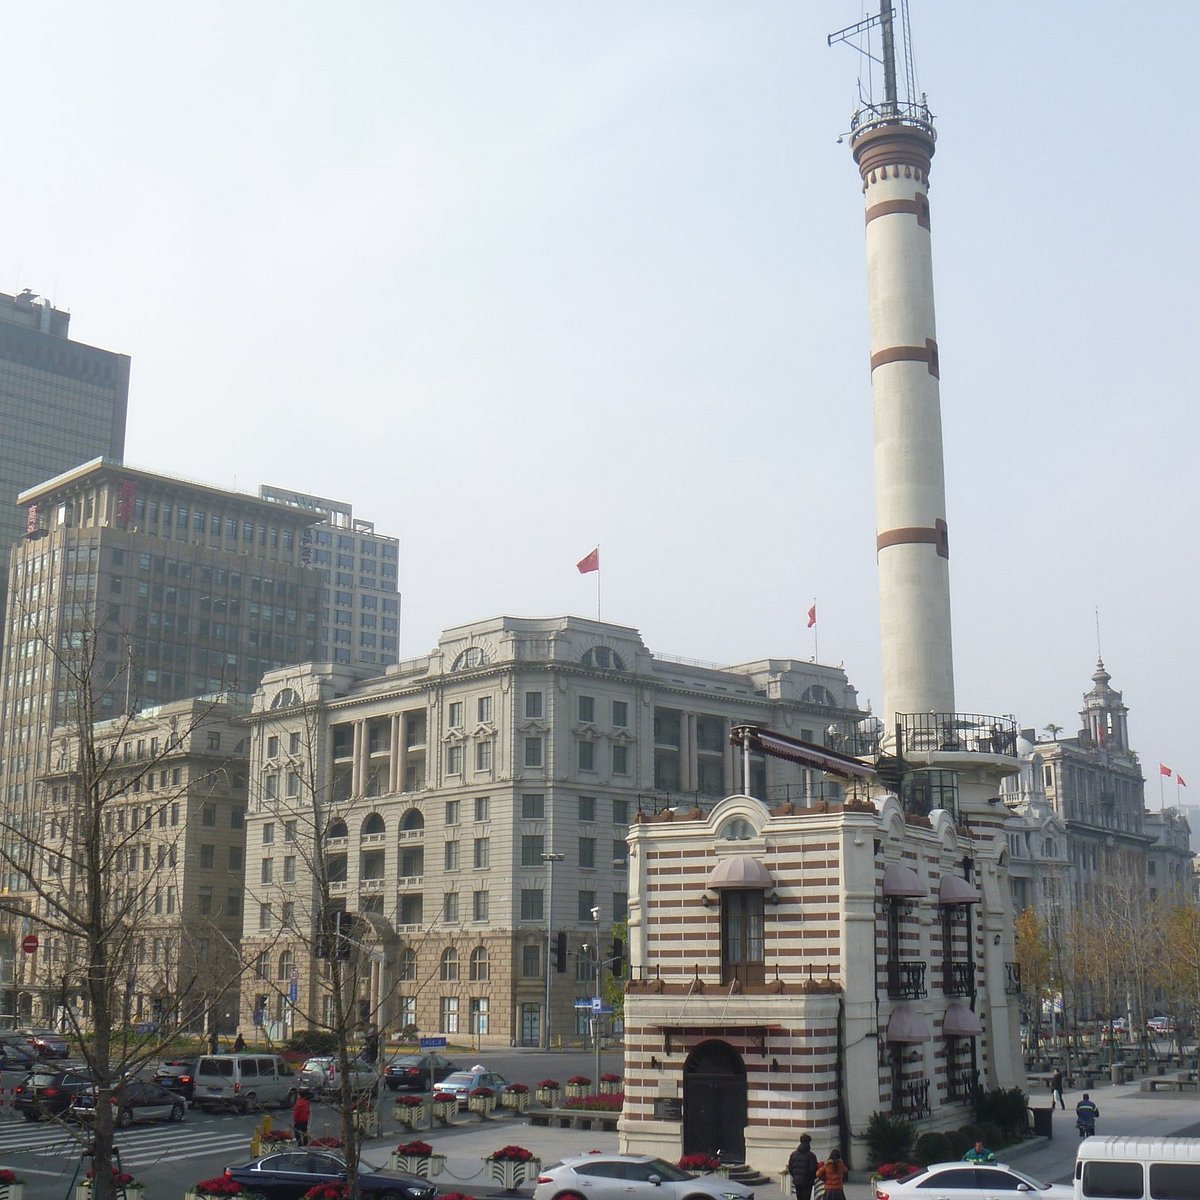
<point x="1179" y="779"/>
<point x="589" y="562"/>
<point x="1163" y="769"/>
<point x="812" y="616"/>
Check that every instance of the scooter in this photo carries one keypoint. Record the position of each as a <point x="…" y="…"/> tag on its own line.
<point x="1086" y="1126"/>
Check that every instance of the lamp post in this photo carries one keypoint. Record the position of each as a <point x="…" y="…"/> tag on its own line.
<point x="549" y="860"/>
<point x="599" y="1001"/>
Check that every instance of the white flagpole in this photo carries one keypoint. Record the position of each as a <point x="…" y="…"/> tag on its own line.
<point x="597" y="581"/>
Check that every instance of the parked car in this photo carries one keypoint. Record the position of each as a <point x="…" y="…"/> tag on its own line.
<point x="966" y="1181"/>
<point x="416" y="1072"/>
<point x="288" y="1174"/>
<point x="177" y="1075"/>
<point x="243" y="1081"/>
<point x="630" y="1177"/>
<point x="16" y="1058"/>
<point x="136" y="1100"/>
<point x="1160" y="1026"/>
<point x="45" y="1043"/>
<point x="462" y="1083"/>
<point x="47" y="1092"/>
<point x="319" y="1076"/>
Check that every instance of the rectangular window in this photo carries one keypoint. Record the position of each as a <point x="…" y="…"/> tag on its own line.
<point x="620" y="909"/>
<point x="455" y="714"/>
<point x="449" y="1014"/>
<point x="268" y="870"/>
<point x="205" y="900"/>
<point x="742" y="937"/>
<point x="533" y="751"/>
<point x="620" y="812"/>
<point x="533" y="705"/>
<point x="481" y="808"/>
<point x="587" y="901"/>
<point x="451" y="851"/>
<point x="587" y="755"/>
<point x="289" y="869"/>
<point x="532" y="908"/>
<point x="483" y="756"/>
<point x="620" y="760"/>
<point x="207" y="857"/>
<point x="531" y="962"/>
<point x="587" y="852"/>
<point x="482" y="852"/>
<point x="620" y="855"/>
<point x="454" y="760"/>
<point x="479" y="1015"/>
<point x="620" y="714"/>
<point x="268" y="832"/>
<point x="293" y="743"/>
<point x="273" y="746"/>
<point x="233" y="903"/>
<point x="451" y="812"/>
<point x="264" y="916"/>
<point x="532" y="845"/>
<point x="587" y="709"/>
<point x="450" y="908"/>
<point x="289" y="831"/>
<point x="479" y="906"/>
<point x="485" y="709"/>
<point x="587" y="808"/>
<point x="208" y="814"/>
<point x="533" y="806"/>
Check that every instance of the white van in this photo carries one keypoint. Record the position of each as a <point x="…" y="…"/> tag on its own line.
<point x="243" y="1082"/>
<point x="1129" y="1168"/>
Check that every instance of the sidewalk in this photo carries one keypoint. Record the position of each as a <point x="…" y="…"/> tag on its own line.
<point x="1124" y="1109"/>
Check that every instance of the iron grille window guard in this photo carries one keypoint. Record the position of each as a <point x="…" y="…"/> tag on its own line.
<point x="912" y="1100"/>
<point x="1012" y="979"/>
<point x="906" y="980"/>
<point x="958" y="978"/>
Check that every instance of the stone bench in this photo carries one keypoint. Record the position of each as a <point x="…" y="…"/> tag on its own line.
<point x="574" y="1118"/>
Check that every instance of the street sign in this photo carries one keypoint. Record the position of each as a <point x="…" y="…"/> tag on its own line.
<point x="433" y="1043"/>
<point x="293" y="991"/>
<point x="584" y="1004"/>
<point x="29" y="943"/>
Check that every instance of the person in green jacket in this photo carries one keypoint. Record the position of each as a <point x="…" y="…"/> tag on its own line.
<point x="979" y="1154"/>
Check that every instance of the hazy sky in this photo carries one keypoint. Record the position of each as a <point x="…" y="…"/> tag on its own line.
<point x="517" y="277"/>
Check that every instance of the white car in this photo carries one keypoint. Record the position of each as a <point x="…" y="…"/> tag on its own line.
<point x="969" y="1181"/>
<point x="460" y="1084"/>
<point x="631" y="1177"/>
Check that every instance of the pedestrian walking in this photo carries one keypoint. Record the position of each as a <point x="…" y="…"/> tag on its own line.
<point x="832" y="1173"/>
<point x="301" y="1114"/>
<point x="802" y="1167"/>
<point x="212" y="1041"/>
<point x="239" y="1043"/>
<point x="1056" y="1086"/>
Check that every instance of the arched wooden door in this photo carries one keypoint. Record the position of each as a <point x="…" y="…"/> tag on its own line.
<point x="714" y="1102"/>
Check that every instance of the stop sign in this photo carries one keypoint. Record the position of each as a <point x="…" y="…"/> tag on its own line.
<point x="29" y="943"/>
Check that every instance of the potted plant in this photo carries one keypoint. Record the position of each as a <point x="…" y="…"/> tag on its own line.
<point x="275" y="1136"/>
<point x="609" y="1084"/>
<point x="515" y="1096"/>
<point x="218" y="1188"/>
<point x="326" y="1143"/>
<point x="411" y="1111"/>
<point x="482" y="1100"/>
<point x="891" y="1170"/>
<point x="577" y="1085"/>
<point x="11" y="1186"/>
<point x="417" y="1158"/>
<point x="328" y="1191"/>
<point x="122" y="1180"/>
<point x="444" y="1107"/>
<point x="549" y="1093"/>
<point x="511" y="1166"/>
<point x="698" y="1164"/>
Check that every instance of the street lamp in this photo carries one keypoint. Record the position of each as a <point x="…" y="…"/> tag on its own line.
<point x="549" y="860"/>
<point x="599" y="1002"/>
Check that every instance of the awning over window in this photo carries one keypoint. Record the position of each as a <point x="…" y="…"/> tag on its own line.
<point x="740" y="871"/>
<point x="907" y="1025"/>
<point x="955" y="890"/>
<point x="903" y="881"/>
<point x="960" y="1021"/>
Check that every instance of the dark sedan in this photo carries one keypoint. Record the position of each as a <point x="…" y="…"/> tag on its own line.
<point x="416" y="1072"/>
<point x="16" y="1058"/>
<point x="288" y="1174"/>
<point x="177" y="1075"/>
<point x="133" y="1101"/>
<point x="46" y="1092"/>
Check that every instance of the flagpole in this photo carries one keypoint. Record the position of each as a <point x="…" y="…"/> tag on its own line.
<point x="597" y="581"/>
<point x="816" y="640"/>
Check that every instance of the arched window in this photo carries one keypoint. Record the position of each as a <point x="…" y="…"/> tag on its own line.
<point x="413" y="819"/>
<point x="372" y="824"/>
<point x="479" y="965"/>
<point x="408" y="965"/>
<point x="818" y="694"/>
<point x="472" y="656"/>
<point x="449" y="965"/>
<point x="737" y="830"/>
<point x="337" y="829"/>
<point x="285" y="698"/>
<point x="284" y="971"/>
<point x="604" y="658"/>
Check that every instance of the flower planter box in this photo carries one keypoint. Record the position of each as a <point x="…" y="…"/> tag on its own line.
<point x="12" y="1191"/>
<point x="366" y="1121"/>
<point x="610" y="1087"/>
<point x="576" y="1091"/>
<point x="549" y="1096"/>
<point x="483" y="1105"/>
<point x="411" y="1116"/>
<point x="83" y="1191"/>
<point x="443" y="1110"/>
<point x="519" y="1101"/>
<point x="425" y="1165"/>
<point x="510" y="1175"/>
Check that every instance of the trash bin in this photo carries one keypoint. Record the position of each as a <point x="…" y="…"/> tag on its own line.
<point x="1043" y="1122"/>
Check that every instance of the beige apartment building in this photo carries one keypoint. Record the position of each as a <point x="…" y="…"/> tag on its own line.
<point x="472" y="808"/>
<point x="170" y="801"/>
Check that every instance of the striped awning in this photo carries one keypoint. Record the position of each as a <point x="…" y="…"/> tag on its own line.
<point x="899" y="880"/>
<point x="907" y="1025"/>
<point x="960" y="1021"/>
<point x="740" y="871"/>
<point x="955" y="890"/>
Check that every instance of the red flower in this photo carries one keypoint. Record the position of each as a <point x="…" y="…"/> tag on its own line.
<point x="326" y="1143"/>
<point x="548" y="1083"/>
<point x="613" y="1102"/>
<point x="7" y="1177"/>
<point x="579" y="1080"/>
<point x="517" y="1154"/>
<point x="518" y="1089"/>
<point x="410" y="1101"/>
<point x="220" y="1186"/>
<point x="415" y="1148"/>
<point x="610" y="1078"/>
<point x="482" y="1092"/>
<point x="698" y="1162"/>
<point x="328" y="1191"/>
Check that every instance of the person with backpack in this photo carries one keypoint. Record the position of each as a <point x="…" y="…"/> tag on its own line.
<point x="1086" y="1113"/>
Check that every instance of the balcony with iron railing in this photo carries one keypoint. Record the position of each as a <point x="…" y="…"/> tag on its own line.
<point x="911" y="1099"/>
<point x="958" y="978"/>
<point x="970" y="733"/>
<point x="962" y="1084"/>
<point x="1012" y="978"/>
<point x="906" y="980"/>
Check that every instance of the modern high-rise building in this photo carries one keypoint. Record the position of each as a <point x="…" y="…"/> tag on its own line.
<point x="166" y="588"/>
<point x="61" y="403"/>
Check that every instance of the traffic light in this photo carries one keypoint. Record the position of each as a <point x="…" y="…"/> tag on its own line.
<point x="617" y="958"/>
<point x="560" y="953"/>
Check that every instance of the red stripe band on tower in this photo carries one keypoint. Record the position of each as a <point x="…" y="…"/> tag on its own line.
<point x="927" y="354"/>
<point x="938" y="536"/>
<point x="919" y="208"/>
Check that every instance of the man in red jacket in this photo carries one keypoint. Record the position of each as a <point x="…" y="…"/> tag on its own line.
<point x="300" y="1116"/>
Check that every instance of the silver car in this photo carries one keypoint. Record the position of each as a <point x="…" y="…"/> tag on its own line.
<point x="969" y="1181"/>
<point x="631" y="1177"/>
<point x="320" y="1076"/>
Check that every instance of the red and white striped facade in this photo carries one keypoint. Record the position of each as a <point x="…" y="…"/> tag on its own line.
<point x="811" y="1032"/>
